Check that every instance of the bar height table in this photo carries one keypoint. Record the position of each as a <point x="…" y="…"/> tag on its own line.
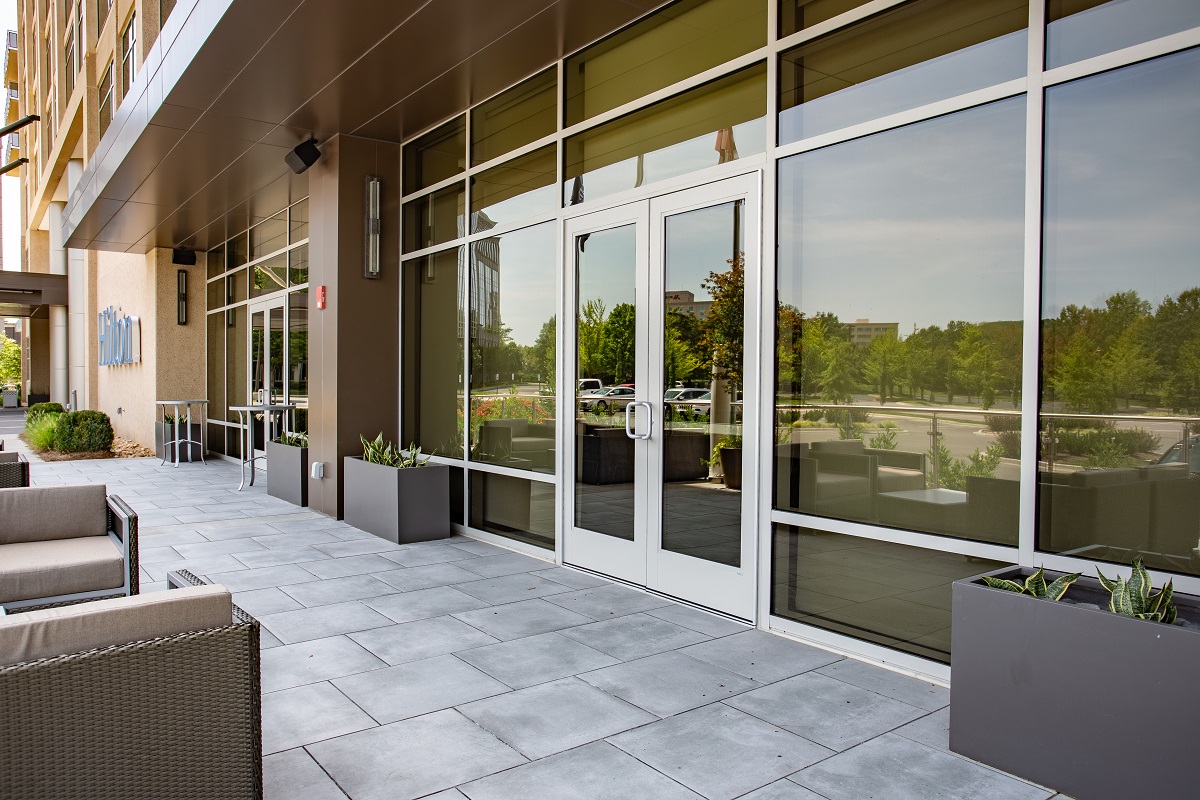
<point x="246" y="439"/>
<point x="187" y="431"/>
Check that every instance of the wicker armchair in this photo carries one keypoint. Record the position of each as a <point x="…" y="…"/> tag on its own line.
<point x="168" y="706"/>
<point x="14" y="470"/>
<point x="63" y="544"/>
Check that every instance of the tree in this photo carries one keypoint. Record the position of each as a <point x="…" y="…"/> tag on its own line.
<point x="1129" y="368"/>
<point x="591" y="335"/>
<point x="542" y="354"/>
<point x="724" y="327"/>
<point x="1080" y="379"/>
<point x="884" y="364"/>
<point x="618" y="344"/>
<point x="837" y="378"/>
<point x="10" y="361"/>
<point x="974" y="369"/>
<point x="680" y="362"/>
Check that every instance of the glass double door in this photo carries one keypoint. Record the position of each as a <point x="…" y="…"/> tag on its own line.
<point x="266" y="359"/>
<point x="663" y="484"/>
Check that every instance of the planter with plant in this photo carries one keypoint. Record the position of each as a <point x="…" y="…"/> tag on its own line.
<point x="728" y="454"/>
<point x="287" y="468"/>
<point x="1110" y="664"/>
<point x="164" y="436"/>
<point x="396" y="494"/>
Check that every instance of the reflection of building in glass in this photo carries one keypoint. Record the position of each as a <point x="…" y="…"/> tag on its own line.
<point x="863" y="331"/>
<point x="686" y="303"/>
<point x="484" y="284"/>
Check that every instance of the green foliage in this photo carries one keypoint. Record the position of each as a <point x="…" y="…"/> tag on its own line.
<point x="1036" y="585"/>
<point x="724" y="328"/>
<point x="1010" y="443"/>
<point x="729" y="441"/>
<point x="1135" y="598"/>
<point x="293" y="439"/>
<point x="619" y="342"/>
<point x="1105" y="442"/>
<point x="378" y="451"/>
<point x="39" y="431"/>
<point x="10" y="361"/>
<point x="83" y="432"/>
<point x="884" y="440"/>
<point x="1002" y="423"/>
<point x="38" y="409"/>
<point x="953" y="472"/>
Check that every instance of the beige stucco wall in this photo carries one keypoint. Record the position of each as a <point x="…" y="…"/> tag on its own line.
<point x="172" y="365"/>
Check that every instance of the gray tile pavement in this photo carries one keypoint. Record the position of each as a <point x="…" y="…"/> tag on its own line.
<point x="459" y="670"/>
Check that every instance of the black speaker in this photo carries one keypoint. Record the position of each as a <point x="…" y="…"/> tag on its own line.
<point x="303" y="157"/>
<point x="183" y="257"/>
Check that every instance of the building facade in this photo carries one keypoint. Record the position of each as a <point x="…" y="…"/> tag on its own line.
<point x="556" y="178"/>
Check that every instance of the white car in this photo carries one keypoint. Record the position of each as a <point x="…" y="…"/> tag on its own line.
<point x="612" y="398"/>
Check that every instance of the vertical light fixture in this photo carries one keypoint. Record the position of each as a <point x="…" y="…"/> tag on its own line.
<point x="371" y="230"/>
<point x="181" y="297"/>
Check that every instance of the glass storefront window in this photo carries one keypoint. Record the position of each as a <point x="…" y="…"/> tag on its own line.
<point x="298" y="265"/>
<point x="216" y="365"/>
<point x="890" y="594"/>
<point x="900" y="285"/>
<point x="712" y="124"/>
<point x="434" y="218"/>
<point x="237" y="251"/>
<point x="235" y="287"/>
<point x="216" y="261"/>
<point x="1119" y="467"/>
<point x="236" y="354"/>
<point x="216" y="293"/>
<point x="269" y="276"/>
<point x="436" y="156"/>
<point x="674" y="43"/>
<point x="916" y="54"/>
<point x="297" y="358"/>
<point x="513" y="328"/>
<point x="432" y="308"/>
<point x="798" y="15"/>
<point x="298" y="222"/>
<point x="515" y="190"/>
<point x="513" y="507"/>
<point x="1079" y="29"/>
<point x="269" y="236"/>
<point x="514" y="118"/>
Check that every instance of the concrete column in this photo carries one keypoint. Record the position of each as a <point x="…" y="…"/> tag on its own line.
<point x="59" y="372"/>
<point x="77" y="308"/>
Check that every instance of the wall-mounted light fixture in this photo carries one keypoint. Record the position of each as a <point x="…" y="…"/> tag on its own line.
<point x="303" y="156"/>
<point x="371" y="229"/>
<point x="183" y="256"/>
<point x="181" y="297"/>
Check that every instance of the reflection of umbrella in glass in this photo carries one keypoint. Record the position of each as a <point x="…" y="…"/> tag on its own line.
<point x="576" y="191"/>
<point x="725" y="146"/>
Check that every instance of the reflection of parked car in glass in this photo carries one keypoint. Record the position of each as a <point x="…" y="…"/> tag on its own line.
<point x="590" y="385"/>
<point x="1175" y="454"/>
<point x="703" y="405"/>
<point x="614" y="398"/>
<point x="680" y="395"/>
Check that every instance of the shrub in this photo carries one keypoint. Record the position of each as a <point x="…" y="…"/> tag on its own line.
<point x="1102" y="443"/>
<point x="886" y="440"/>
<point x="1002" y="423"/>
<point x="39" y="431"/>
<point x="1010" y="441"/>
<point x="38" y="410"/>
<point x="83" y="432"/>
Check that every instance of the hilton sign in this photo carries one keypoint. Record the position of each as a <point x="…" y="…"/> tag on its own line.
<point x="120" y="339"/>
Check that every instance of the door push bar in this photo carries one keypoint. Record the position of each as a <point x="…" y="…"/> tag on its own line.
<point x="631" y="426"/>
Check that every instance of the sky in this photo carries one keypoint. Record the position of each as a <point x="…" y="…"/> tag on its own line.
<point x="9" y="185"/>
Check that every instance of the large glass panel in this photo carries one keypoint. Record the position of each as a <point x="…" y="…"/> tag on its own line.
<point x="890" y="594"/>
<point x="712" y="124"/>
<point x="514" y="507"/>
<point x="298" y="222"/>
<point x="1079" y="29"/>
<point x="1119" y="470"/>
<point x="237" y="251"/>
<point x="216" y="293"/>
<point x="436" y="156"/>
<point x="674" y="43"/>
<point x="235" y="287"/>
<point x="297" y="348"/>
<point x="797" y="15"/>
<point x="516" y="117"/>
<point x="269" y="236"/>
<point x="516" y="190"/>
<point x="513" y="328"/>
<point x="276" y="378"/>
<point x="216" y="365"/>
<point x="606" y="338"/>
<point x="297" y="259"/>
<point x="235" y="361"/>
<point x="434" y="218"/>
<point x="270" y="275"/>
<point x="899" y="324"/>
<point x="216" y="261"/>
<point x="433" y="306"/>
<point x="913" y="55"/>
<point x="703" y="354"/>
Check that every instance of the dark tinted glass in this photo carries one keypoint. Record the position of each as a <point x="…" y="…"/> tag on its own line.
<point x="890" y="594"/>
<point x="434" y="218"/>
<point x="930" y="217"/>
<point x="298" y="222"/>
<point x="216" y="365"/>
<point x="1120" y="423"/>
<point x="436" y="156"/>
<point x="236" y="353"/>
<point x="432" y="339"/>
<point x="514" y="507"/>
<point x="297" y="352"/>
<point x="521" y="188"/>
<point x="269" y="276"/>
<point x="298" y="265"/>
<point x="913" y="55"/>
<point x="514" y="118"/>
<point x="796" y="15"/>
<point x="269" y="236"/>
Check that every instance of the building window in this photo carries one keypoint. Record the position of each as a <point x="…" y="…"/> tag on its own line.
<point x="69" y="63"/>
<point x="105" y="92"/>
<point x="1079" y="29"/>
<point x="511" y="119"/>
<point x="1119" y="468"/>
<point x="128" y="62"/>
<point x="102" y="9"/>
<point x="436" y="156"/>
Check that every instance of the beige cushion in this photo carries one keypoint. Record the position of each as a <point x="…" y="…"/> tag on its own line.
<point x="851" y="447"/>
<point x="831" y="485"/>
<point x="896" y="479"/>
<point x="9" y="458"/>
<point x="101" y="623"/>
<point x="35" y="514"/>
<point x="29" y="570"/>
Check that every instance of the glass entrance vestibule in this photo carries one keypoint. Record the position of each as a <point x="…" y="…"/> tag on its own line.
<point x="968" y="305"/>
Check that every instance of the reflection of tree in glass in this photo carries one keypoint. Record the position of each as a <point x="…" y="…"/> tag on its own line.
<point x="590" y="335"/>
<point x="618" y="343"/>
<point x="724" y="327"/>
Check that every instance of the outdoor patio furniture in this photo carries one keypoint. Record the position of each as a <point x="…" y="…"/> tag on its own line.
<point x="899" y="470"/>
<point x="171" y="439"/>
<point x="828" y="483"/>
<point x="934" y="510"/>
<point x="151" y="696"/>
<point x="63" y="544"/>
<point x="14" y="469"/>
<point x="501" y="439"/>
<point x="246" y="439"/>
<point x="1108" y="507"/>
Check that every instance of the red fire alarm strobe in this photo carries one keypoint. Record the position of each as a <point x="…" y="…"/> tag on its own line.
<point x="321" y="298"/>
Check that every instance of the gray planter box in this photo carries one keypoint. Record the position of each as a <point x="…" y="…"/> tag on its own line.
<point x="400" y="505"/>
<point x="287" y="473"/>
<point x="1072" y="696"/>
<point x="166" y="432"/>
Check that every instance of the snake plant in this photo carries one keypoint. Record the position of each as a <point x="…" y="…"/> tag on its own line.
<point x="293" y="439"/>
<point x="385" y="453"/>
<point x="1036" y="585"/>
<point x="1133" y="597"/>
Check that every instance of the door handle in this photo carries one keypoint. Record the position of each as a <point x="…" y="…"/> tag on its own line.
<point x="631" y="426"/>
